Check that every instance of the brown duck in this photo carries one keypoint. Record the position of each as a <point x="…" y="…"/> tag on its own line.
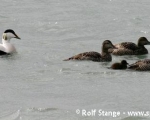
<point x="122" y="65"/>
<point x="141" y="65"/>
<point x="105" y="56"/>
<point x="129" y="48"/>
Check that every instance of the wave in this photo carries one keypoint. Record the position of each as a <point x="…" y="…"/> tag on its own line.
<point x="135" y="118"/>
<point x="41" y="109"/>
<point x="11" y="116"/>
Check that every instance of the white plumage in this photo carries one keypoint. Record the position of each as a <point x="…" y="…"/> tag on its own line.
<point x="6" y="47"/>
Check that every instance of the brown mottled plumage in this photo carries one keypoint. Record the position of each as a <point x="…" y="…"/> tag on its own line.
<point x="122" y="65"/>
<point x="105" y="56"/>
<point x="129" y="48"/>
<point x="141" y="65"/>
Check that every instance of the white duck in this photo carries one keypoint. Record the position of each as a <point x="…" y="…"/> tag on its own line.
<point x="6" y="47"/>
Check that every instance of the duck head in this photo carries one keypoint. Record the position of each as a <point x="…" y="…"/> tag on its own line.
<point x="107" y="44"/>
<point x="9" y="33"/>
<point x="143" y="41"/>
<point x="124" y="62"/>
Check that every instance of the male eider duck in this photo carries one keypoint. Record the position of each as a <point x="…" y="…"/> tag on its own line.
<point x="141" y="65"/>
<point x="6" y="47"/>
<point x="105" y="56"/>
<point x="129" y="48"/>
<point x="122" y="65"/>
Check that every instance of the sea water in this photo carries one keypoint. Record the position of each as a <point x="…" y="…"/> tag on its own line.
<point x="36" y="84"/>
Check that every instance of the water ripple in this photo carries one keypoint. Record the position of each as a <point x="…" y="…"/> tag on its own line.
<point x="40" y="109"/>
<point x="11" y="116"/>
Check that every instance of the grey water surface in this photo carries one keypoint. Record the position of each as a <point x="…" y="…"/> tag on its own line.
<point x="36" y="84"/>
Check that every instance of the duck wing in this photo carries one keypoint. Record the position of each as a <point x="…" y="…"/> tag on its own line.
<point x="125" y="48"/>
<point x="2" y="50"/>
<point x="94" y="56"/>
<point x="127" y="45"/>
<point x="121" y="51"/>
<point x="141" y="65"/>
<point x="3" y="53"/>
<point x="145" y="61"/>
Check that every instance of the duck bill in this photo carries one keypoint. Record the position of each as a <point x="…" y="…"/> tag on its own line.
<point x="17" y="36"/>
<point x="148" y="43"/>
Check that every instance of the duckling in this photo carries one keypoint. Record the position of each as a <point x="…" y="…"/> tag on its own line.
<point x="122" y="65"/>
<point x="129" y="48"/>
<point x="105" y="56"/>
<point x="141" y="65"/>
<point x="6" y="47"/>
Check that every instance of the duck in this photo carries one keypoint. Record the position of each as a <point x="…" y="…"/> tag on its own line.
<point x="105" y="56"/>
<point x="129" y="48"/>
<point x="6" y="47"/>
<point x="140" y="65"/>
<point x="122" y="65"/>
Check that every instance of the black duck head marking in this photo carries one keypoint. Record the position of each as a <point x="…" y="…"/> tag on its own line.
<point x="11" y="32"/>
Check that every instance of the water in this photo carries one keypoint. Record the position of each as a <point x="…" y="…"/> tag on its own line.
<point x="35" y="84"/>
